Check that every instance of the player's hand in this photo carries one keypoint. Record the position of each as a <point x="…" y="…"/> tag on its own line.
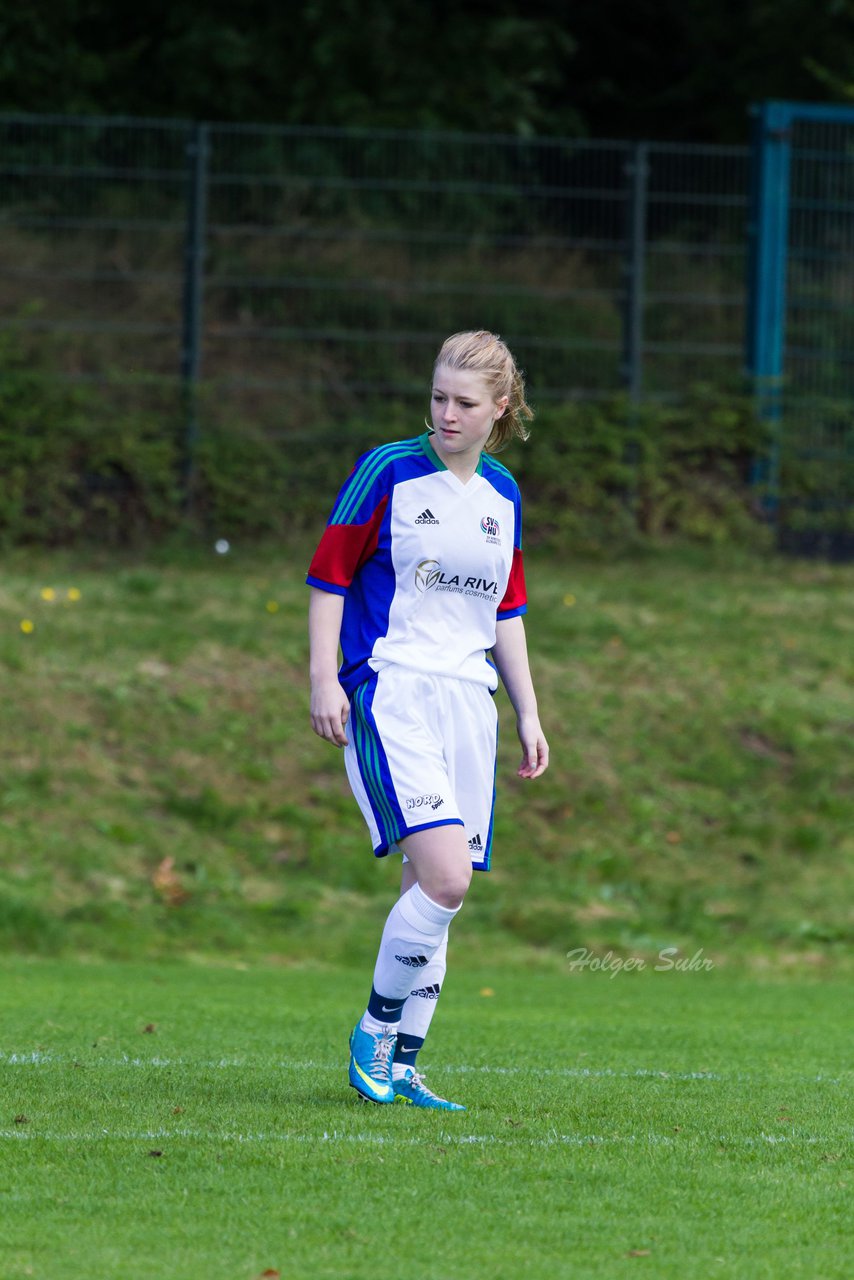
<point x="535" y="749"/>
<point x="330" y="711"/>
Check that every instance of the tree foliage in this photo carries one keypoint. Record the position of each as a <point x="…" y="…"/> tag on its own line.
<point x="677" y="69"/>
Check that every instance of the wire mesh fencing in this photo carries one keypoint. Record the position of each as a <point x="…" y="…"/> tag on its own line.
<point x="329" y="264"/>
<point x="225" y="278"/>
<point x="817" y="442"/>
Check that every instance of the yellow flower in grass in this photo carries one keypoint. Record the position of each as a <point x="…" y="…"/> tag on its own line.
<point x="27" y="626"/>
<point x="272" y="606"/>
<point x="48" y="593"/>
<point x="73" y="593"/>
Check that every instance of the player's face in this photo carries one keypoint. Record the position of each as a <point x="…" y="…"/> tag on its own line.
<point x="463" y="411"/>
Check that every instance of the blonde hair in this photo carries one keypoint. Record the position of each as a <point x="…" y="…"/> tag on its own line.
<point x="484" y="353"/>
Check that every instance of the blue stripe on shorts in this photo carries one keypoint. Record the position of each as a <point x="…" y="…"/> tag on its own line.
<point x="487" y="850"/>
<point x="373" y="766"/>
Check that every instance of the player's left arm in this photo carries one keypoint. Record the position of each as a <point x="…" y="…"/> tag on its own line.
<point x="510" y="654"/>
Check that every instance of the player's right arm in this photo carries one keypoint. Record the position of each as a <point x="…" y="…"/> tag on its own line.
<point x="348" y="542"/>
<point x="330" y="708"/>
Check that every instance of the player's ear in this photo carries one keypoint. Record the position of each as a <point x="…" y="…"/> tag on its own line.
<point x="500" y="406"/>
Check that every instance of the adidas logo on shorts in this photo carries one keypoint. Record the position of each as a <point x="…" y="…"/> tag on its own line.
<point x="414" y="962"/>
<point x="429" y="993"/>
<point x="476" y="844"/>
<point x="426" y="517"/>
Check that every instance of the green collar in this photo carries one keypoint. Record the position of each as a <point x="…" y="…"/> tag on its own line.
<point x="436" y="460"/>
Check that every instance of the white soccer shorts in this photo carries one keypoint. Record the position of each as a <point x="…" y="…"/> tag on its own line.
<point x="421" y="753"/>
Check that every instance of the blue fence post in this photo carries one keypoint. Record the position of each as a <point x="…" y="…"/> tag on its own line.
<point x="766" y="301"/>
<point x="198" y="146"/>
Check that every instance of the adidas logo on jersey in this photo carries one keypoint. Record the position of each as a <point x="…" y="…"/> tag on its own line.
<point x="429" y="993"/>
<point x="426" y="517"/>
<point x="414" y="962"/>
<point x="476" y="844"/>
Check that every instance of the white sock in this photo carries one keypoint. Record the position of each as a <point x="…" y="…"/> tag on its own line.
<point x="419" y="1009"/>
<point x="415" y="929"/>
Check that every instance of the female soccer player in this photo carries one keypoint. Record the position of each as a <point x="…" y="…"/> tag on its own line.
<point x="419" y="576"/>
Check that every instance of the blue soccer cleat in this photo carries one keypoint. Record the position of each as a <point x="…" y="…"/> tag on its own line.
<point x="370" y="1064"/>
<point x="412" y="1091"/>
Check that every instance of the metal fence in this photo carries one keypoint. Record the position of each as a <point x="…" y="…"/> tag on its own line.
<point x="285" y="268"/>
<point x="289" y="278"/>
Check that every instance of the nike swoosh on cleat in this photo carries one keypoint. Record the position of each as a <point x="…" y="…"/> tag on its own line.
<point x="367" y="1079"/>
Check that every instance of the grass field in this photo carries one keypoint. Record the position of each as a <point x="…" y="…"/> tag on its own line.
<point x="189" y="912"/>
<point x="699" y="707"/>
<point x="194" y="1123"/>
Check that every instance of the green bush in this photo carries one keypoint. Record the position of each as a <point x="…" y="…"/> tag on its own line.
<point x="605" y="473"/>
<point x="38" y="485"/>
<point x="71" y="469"/>
<point x="79" y="466"/>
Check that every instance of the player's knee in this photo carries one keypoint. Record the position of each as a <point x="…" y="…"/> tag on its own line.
<point x="449" y="888"/>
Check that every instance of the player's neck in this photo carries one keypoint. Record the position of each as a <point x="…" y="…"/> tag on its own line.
<point x="463" y="473"/>
<point x="463" y="465"/>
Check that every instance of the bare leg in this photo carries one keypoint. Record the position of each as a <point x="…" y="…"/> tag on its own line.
<point x="440" y="862"/>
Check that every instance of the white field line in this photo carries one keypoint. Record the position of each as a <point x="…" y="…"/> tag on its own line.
<point x="43" y="1058"/>
<point x="552" y="1139"/>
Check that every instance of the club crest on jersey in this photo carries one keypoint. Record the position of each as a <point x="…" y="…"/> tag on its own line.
<point x="492" y="529"/>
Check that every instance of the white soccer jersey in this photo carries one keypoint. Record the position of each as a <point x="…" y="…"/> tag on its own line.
<point x="426" y="563"/>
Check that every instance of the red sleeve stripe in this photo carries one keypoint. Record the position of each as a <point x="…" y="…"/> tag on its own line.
<point x="344" y="548"/>
<point x="516" y="595"/>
